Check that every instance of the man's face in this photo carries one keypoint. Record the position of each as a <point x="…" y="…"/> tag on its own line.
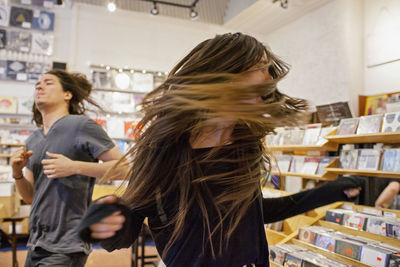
<point x="49" y="92"/>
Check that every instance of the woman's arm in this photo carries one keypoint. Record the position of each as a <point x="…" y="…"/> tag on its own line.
<point x="387" y="195"/>
<point x="111" y="223"/>
<point x="276" y="209"/>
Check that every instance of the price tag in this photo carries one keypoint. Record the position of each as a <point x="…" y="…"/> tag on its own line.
<point x="389" y="214"/>
<point x="26" y="25"/>
<point x="26" y="2"/>
<point x="22" y="76"/>
<point x="372" y="211"/>
<point x="48" y="4"/>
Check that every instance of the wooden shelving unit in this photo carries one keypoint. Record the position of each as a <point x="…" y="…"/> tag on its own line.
<point x="9" y="144"/>
<point x="333" y="169"/>
<point x="324" y="177"/>
<point x="5" y="155"/>
<point x="388" y="138"/>
<point x="326" y="147"/>
<point x="275" y="237"/>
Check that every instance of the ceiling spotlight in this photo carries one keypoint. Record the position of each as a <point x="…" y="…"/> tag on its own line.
<point x="154" y="11"/>
<point x="193" y="14"/>
<point x="111" y="6"/>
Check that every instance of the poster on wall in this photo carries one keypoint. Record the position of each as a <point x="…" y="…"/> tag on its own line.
<point x="3" y="38"/>
<point x="8" y="104"/>
<point x="4" y="15"/>
<point x="19" y="41"/>
<point x="43" y="20"/>
<point x="25" y="105"/>
<point x="101" y="79"/>
<point x="34" y="70"/>
<point x="42" y="44"/>
<point x="21" y="17"/>
<point x="3" y="69"/>
<point x="16" y="70"/>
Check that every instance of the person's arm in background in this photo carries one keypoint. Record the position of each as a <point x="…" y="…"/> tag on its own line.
<point x="385" y="198"/>
<point x="61" y="166"/>
<point x="23" y="181"/>
<point x="342" y="189"/>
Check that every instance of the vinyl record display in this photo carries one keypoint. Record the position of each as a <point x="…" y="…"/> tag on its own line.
<point x="21" y="17"/>
<point x="44" y="21"/>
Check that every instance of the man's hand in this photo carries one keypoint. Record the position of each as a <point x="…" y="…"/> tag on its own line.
<point x="18" y="161"/>
<point x="58" y="166"/>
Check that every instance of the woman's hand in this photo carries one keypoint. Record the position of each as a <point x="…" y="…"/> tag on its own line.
<point x="107" y="227"/>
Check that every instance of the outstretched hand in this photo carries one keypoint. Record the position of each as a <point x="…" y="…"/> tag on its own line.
<point x="58" y="166"/>
<point x="108" y="226"/>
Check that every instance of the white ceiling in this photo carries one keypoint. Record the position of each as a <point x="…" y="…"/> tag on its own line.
<point x="263" y="16"/>
<point x="254" y="16"/>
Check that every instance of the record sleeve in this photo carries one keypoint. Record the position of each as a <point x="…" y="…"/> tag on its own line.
<point x="334" y="112"/>
<point x="347" y="126"/>
<point x="25" y="105"/>
<point x="3" y="38"/>
<point x="368" y="159"/>
<point x="286" y="137"/>
<point x="4" y="15"/>
<point x="311" y="134"/>
<point x="391" y="122"/>
<point x="306" y="235"/>
<point x="325" y="241"/>
<point x="348" y="159"/>
<point x="296" y="136"/>
<point x="324" y="132"/>
<point x="375" y="256"/>
<point x="16" y="70"/>
<point x="284" y="163"/>
<point x="123" y="102"/>
<point x="21" y="17"/>
<point x="297" y="164"/>
<point x="393" y="230"/>
<point x="34" y="70"/>
<point x="8" y="104"/>
<point x="376" y="225"/>
<point x="19" y="41"/>
<point x="390" y="160"/>
<point x="101" y="79"/>
<point x="43" y="20"/>
<point x="3" y="69"/>
<point x="310" y="165"/>
<point x="42" y="44"/>
<point x="323" y="162"/>
<point x="355" y="221"/>
<point x="348" y="248"/>
<point x="130" y="127"/>
<point x="292" y="259"/>
<point x="370" y="124"/>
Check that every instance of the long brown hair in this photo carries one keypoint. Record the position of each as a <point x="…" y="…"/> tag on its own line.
<point x="78" y="85"/>
<point x="204" y="89"/>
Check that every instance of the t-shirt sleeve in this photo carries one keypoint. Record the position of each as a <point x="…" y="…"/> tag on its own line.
<point x="93" y="139"/>
<point x="28" y="146"/>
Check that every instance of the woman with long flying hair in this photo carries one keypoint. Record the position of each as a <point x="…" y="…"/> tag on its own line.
<point x="199" y="157"/>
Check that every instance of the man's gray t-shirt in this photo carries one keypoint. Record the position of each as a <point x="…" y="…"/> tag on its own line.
<point x="59" y="204"/>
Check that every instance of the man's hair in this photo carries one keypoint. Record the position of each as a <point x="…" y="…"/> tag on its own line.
<point x="80" y="88"/>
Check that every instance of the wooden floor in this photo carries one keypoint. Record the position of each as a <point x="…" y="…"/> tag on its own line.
<point x="98" y="258"/>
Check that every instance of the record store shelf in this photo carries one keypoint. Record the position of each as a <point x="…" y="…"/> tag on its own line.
<point x="324" y="177"/>
<point x="354" y="232"/>
<point x="379" y="174"/>
<point x="328" y="254"/>
<point x="326" y="147"/>
<point x="388" y="138"/>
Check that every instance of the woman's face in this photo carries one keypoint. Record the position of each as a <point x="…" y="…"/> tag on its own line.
<point x="258" y="74"/>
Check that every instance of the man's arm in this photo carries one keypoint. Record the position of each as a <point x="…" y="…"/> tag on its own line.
<point x="24" y="182"/>
<point x="61" y="166"/>
<point x="25" y="186"/>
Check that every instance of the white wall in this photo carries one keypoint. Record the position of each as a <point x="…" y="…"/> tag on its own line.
<point x="134" y="39"/>
<point x="324" y="48"/>
<point x="382" y="42"/>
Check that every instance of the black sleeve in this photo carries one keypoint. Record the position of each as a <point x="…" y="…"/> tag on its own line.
<point x="124" y="238"/>
<point x="276" y="209"/>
